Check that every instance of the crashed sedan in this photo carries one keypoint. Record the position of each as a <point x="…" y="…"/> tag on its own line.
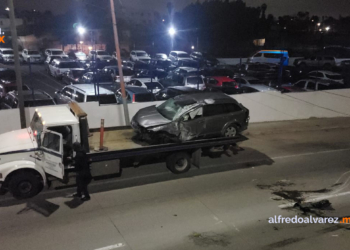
<point x="189" y="117"/>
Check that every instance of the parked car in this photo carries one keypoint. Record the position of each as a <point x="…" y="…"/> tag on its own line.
<point x="270" y="56"/>
<point x="258" y="70"/>
<point x="99" y="55"/>
<point x="123" y="53"/>
<point x="31" y="98"/>
<point x="54" y="52"/>
<point x="178" y="74"/>
<point x="85" y="93"/>
<point x="188" y="63"/>
<point x="188" y="117"/>
<point x="160" y="56"/>
<point x="140" y="55"/>
<point x="196" y="82"/>
<point x="220" y="72"/>
<point x="98" y="64"/>
<point x="162" y="64"/>
<point x="59" y="66"/>
<point x="204" y="59"/>
<point x="8" y="87"/>
<point x="97" y="77"/>
<point x="7" y="75"/>
<point x="171" y="92"/>
<point x="321" y="62"/>
<point x="32" y="56"/>
<point x="49" y="60"/>
<point x="317" y="84"/>
<point x="248" y="80"/>
<point x="153" y="73"/>
<point x="114" y="72"/>
<point x="73" y="76"/>
<point x="135" y="94"/>
<point x="77" y="55"/>
<point x="6" y="55"/>
<point x="151" y="85"/>
<point x="326" y="75"/>
<point x="220" y="81"/>
<point x="174" y="56"/>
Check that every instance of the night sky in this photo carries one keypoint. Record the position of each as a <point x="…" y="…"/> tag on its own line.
<point x="276" y="7"/>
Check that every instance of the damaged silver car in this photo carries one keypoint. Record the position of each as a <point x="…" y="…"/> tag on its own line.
<point x="194" y="116"/>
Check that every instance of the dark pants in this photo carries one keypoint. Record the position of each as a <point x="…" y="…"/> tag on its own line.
<point x="82" y="184"/>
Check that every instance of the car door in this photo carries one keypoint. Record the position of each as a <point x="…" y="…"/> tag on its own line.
<point x="192" y="124"/>
<point x="51" y="157"/>
<point x="215" y="118"/>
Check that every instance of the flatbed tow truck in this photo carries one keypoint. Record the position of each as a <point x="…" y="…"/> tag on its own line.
<point x="30" y="157"/>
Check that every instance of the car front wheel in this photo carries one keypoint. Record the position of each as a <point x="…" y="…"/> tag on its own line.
<point x="25" y="185"/>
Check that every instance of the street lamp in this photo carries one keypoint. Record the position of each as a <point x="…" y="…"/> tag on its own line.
<point x="318" y="24"/>
<point x="192" y="47"/>
<point x="7" y="9"/>
<point x="81" y="42"/>
<point x="172" y="31"/>
<point x="327" y="28"/>
<point x="81" y="30"/>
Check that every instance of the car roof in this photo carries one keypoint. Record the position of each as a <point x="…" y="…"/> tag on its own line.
<point x="55" y="49"/>
<point x="325" y="72"/>
<point x="188" y="68"/>
<point x="217" y="97"/>
<point x="143" y="80"/>
<point x="57" y="115"/>
<point x="89" y="89"/>
<point x="138" y="51"/>
<point x="136" y="90"/>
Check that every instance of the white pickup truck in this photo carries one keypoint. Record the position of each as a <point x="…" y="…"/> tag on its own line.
<point x="31" y="157"/>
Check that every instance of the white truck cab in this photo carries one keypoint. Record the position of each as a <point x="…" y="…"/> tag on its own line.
<point x="28" y="156"/>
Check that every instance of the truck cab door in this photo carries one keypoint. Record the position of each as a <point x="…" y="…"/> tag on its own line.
<point x="51" y="157"/>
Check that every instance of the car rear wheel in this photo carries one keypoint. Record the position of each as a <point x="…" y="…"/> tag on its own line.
<point x="230" y="131"/>
<point x="178" y="163"/>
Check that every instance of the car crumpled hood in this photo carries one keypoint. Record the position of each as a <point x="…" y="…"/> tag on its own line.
<point x="16" y="140"/>
<point x="150" y="117"/>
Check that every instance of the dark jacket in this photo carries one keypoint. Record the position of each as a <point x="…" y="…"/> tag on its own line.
<point x="82" y="164"/>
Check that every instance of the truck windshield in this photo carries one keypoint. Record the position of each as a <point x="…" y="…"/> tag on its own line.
<point x="36" y="123"/>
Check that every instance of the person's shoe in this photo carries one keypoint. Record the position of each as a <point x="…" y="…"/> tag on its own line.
<point x="85" y="198"/>
<point x="75" y="195"/>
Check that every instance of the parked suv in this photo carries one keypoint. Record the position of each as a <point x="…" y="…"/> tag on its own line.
<point x="6" y="55"/>
<point x="31" y="98"/>
<point x="174" y="56"/>
<point x="324" y="62"/>
<point x="99" y="54"/>
<point x="54" y="52"/>
<point x="59" y="66"/>
<point x="187" y="117"/>
<point x="31" y="55"/>
<point x="85" y="93"/>
<point x="140" y="55"/>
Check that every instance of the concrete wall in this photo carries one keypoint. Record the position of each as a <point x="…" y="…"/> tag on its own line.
<point x="264" y="107"/>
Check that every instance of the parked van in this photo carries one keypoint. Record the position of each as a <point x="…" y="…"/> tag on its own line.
<point x="270" y="56"/>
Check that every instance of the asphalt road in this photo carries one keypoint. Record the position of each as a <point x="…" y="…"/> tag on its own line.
<point x="37" y="78"/>
<point x="226" y="204"/>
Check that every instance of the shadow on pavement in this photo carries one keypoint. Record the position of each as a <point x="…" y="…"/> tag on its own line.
<point x="40" y="206"/>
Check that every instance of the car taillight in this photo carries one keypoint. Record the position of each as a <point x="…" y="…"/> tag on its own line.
<point x="133" y="98"/>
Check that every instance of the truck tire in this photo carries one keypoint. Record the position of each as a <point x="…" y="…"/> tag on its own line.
<point x="24" y="185"/>
<point x="178" y="163"/>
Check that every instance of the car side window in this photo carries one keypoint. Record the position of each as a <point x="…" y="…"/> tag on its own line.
<point x="232" y="107"/>
<point x="79" y="97"/>
<point x="311" y="86"/>
<point x="138" y="84"/>
<point x="258" y="55"/>
<point x="213" y="109"/>
<point x="300" y="84"/>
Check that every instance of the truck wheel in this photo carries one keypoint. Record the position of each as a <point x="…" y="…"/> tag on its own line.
<point x="178" y="163"/>
<point x="24" y="185"/>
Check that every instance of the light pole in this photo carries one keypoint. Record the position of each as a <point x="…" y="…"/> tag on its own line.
<point x="122" y="85"/>
<point x="17" y="63"/>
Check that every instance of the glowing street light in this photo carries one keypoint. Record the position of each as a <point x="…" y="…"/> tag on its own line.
<point x="192" y="47"/>
<point x="318" y="24"/>
<point x="81" y="30"/>
<point x="90" y="48"/>
<point x="327" y="28"/>
<point x="81" y="42"/>
<point x="7" y="9"/>
<point x="172" y="31"/>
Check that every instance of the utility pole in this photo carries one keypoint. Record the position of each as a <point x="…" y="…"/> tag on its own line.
<point x="17" y="64"/>
<point x="121" y="76"/>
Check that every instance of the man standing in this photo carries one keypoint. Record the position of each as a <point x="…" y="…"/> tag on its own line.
<point x="83" y="177"/>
